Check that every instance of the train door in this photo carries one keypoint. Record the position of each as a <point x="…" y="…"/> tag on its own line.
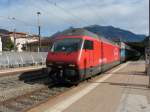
<point x="89" y="57"/>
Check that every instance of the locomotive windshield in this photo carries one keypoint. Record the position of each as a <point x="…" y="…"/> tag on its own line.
<point x="67" y="45"/>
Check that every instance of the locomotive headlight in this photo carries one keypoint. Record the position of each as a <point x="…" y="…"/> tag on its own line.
<point x="71" y="65"/>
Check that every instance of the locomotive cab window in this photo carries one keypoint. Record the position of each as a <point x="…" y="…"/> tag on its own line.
<point x="88" y="44"/>
<point x="67" y="45"/>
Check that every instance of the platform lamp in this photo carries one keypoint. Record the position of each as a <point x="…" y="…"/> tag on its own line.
<point x="39" y="31"/>
<point x="14" y="32"/>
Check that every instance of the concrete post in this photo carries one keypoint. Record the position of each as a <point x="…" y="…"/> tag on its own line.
<point x="0" y="44"/>
<point x="149" y="82"/>
<point x="147" y="62"/>
<point x="148" y="70"/>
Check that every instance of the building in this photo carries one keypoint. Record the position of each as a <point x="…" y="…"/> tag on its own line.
<point x="21" y="40"/>
<point x="45" y="45"/>
<point x="28" y="42"/>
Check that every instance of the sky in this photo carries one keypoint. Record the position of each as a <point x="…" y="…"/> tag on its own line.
<point x="57" y="15"/>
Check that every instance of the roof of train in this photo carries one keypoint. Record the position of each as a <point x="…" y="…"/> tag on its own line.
<point x="82" y="31"/>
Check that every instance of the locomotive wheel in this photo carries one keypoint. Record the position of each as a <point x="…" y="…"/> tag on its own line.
<point x="77" y="81"/>
<point x="72" y="76"/>
<point x="54" y="75"/>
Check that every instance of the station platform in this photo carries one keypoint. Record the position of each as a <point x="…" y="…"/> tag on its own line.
<point x="122" y="89"/>
<point x="20" y="69"/>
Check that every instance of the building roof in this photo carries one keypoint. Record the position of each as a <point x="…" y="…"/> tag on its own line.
<point x="19" y="33"/>
<point x="44" y="41"/>
<point x="4" y="35"/>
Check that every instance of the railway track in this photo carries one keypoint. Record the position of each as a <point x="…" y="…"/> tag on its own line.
<point x="21" y="92"/>
<point x="29" y="100"/>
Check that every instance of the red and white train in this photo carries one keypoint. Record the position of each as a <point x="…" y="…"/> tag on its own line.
<point x="77" y="54"/>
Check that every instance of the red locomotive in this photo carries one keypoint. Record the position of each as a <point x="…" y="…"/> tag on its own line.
<point x="77" y="54"/>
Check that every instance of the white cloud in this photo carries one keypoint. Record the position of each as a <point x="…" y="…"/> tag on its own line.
<point x="131" y="15"/>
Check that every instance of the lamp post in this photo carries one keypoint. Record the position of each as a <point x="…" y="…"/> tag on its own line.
<point x="14" y="35"/>
<point x="39" y="31"/>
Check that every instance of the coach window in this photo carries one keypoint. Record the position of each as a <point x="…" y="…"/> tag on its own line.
<point x="88" y="44"/>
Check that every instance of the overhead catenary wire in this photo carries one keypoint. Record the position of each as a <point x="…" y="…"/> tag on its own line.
<point x="92" y="10"/>
<point x="17" y="20"/>
<point x="71" y="21"/>
<point x="14" y="19"/>
<point x="90" y="7"/>
<point x="56" y="15"/>
<point x="31" y="25"/>
<point x="74" y="17"/>
<point x="28" y="24"/>
<point x="25" y="23"/>
<point x="68" y="12"/>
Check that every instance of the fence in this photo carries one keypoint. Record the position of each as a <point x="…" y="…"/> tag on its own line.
<point x="19" y="59"/>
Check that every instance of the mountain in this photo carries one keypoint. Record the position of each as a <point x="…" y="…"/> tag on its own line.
<point x="55" y="34"/>
<point x="3" y="31"/>
<point x="115" y="34"/>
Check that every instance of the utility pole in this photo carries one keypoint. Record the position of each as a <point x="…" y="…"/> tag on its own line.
<point x="39" y="31"/>
<point x="14" y="32"/>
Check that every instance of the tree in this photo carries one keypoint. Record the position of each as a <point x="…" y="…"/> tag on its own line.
<point x="9" y="44"/>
